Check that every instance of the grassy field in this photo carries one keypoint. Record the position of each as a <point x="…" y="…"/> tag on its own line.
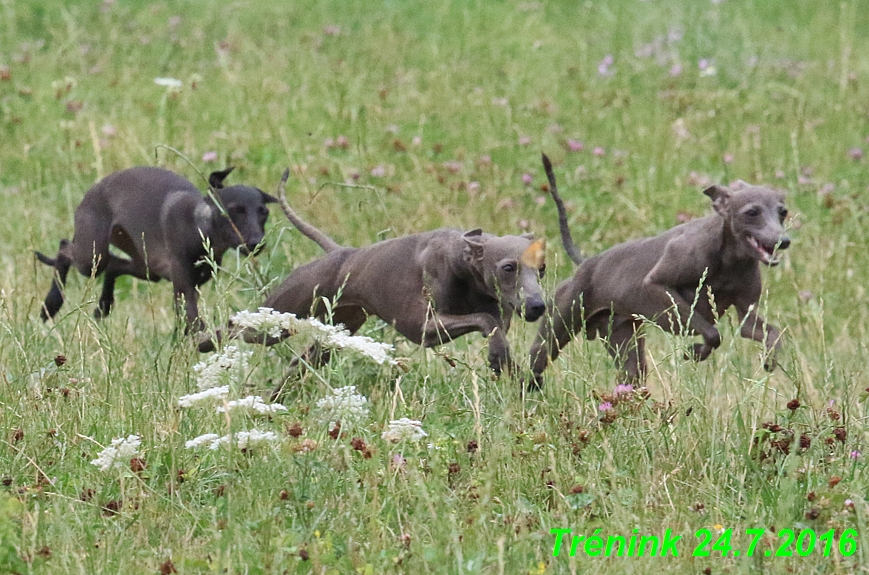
<point x="397" y="117"/>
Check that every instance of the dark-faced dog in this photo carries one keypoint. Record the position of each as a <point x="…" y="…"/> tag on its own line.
<point x="432" y="287"/>
<point x="670" y="279"/>
<point x="161" y="221"/>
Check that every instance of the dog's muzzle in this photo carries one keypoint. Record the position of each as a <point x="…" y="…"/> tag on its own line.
<point x="532" y="310"/>
<point x="253" y="248"/>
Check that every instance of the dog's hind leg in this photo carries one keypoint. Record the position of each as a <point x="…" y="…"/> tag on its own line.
<point x="116" y="267"/>
<point x="627" y="346"/>
<point x="61" y="264"/>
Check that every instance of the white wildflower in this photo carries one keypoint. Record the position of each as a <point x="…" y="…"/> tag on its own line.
<point x="201" y="440"/>
<point x="243" y="439"/>
<point x="168" y="82"/>
<point x="210" y="393"/>
<point x="344" y="405"/>
<point x="247" y="438"/>
<point x="119" y="453"/>
<point x="253" y="402"/>
<point x="230" y="364"/>
<point x="265" y="320"/>
<point x="404" y="429"/>
<point x="274" y="323"/>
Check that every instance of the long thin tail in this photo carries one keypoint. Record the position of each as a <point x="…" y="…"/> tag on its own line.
<point x="324" y="241"/>
<point x="566" y="239"/>
<point x="45" y="259"/>
<point x="61" y="265"/>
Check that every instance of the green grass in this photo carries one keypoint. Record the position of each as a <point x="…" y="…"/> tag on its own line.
<point x="438" y="95"/>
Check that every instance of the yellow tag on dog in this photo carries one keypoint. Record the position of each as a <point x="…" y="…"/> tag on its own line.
<point x="534" y="255"/>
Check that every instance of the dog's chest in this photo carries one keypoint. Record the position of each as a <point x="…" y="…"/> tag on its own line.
<point x="728" y="288"/>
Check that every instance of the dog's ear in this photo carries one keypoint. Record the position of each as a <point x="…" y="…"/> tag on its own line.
<point x="474" y="243"/>
<point x="720" y="198"/>
<point x="215" y="180"/>
<point x="268" y="199"/>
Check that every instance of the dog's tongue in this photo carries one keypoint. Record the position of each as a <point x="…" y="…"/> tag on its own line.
<point x="765" y="255"/>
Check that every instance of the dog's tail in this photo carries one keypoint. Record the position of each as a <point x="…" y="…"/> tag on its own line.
<point x="45" y="259"/>
<point x="61" y="265"/>
<point x="566" y="239"/>
<point x="324" y="241"/>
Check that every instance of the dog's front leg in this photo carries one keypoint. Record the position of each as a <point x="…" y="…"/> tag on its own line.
<point x="756" y="328"/>
<point x="441" y="328"/>
<point x="186" y="298"/>
<point x="661" y="302"/>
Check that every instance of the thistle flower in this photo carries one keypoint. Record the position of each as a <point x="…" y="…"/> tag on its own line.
<point x="623" y="389"/>
<point x="253" y="402"/>
<point x="227" y="365"/>
<point x="575" y="145"/>
<point x="344" y="405"/>
<point x="119" y="453"/>
<point x="211" y="393"/>
<point x="404" y="429"/>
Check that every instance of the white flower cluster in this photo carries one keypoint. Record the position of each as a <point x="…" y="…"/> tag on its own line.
<point x="253" y="402"/>
<point x="404" y="429"/>
<point x="242" y="439"/>
<point x="344" y="405"/>
<point x="119" y="453"/>
<point x="231" y="363"/>
<point x="211" y="393"/>
<point x="273" y="323"/>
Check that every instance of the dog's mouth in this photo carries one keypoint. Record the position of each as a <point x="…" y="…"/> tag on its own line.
<point x="767" y="253"/>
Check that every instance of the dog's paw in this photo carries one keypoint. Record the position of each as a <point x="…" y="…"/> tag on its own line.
<point x="204" y="342"/>
<point x="699" y="352"/>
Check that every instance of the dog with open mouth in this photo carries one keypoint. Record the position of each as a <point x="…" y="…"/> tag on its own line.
<point x="682" y="279"/>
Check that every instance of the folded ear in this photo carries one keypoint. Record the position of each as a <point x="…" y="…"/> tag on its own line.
<point x="268" y="199"/>
<point x="215" y="180"/>
<point x="720" y="198"/>
<point x="474" y="244"/>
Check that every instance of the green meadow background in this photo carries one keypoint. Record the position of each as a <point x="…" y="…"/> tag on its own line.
<point x="397" y="117"/>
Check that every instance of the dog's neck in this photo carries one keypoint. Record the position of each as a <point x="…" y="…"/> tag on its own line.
<point x="730" y="254"/>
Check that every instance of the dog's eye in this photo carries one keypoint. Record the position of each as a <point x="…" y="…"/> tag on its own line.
<point x="541" y="271"/>
<point x="782" y="213"/>
<point x="509" y="268"/>
<point x="240" y="210"/>
<point x="752" y="213"/>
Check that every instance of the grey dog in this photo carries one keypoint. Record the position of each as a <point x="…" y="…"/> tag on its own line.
<point x="673" y="279"/>
<point x="161" y="221"/>
<point x="432" y="287"/>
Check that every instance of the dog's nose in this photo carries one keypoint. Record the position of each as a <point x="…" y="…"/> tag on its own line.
<point x="784" y="243"/>
<point x="255" y="247"/>
<point x="534" y="310"/>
